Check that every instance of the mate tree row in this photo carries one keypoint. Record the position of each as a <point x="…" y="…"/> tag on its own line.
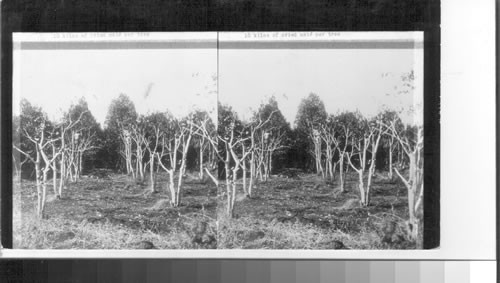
<point x="140" y="146"/>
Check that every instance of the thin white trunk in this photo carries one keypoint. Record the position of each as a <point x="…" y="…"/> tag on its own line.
<point x="233" y="191"/>
<point x="341" y="173"/>
<point x="252" y="174"/>
<point x="45" y="172"/>
<point x="390" y="161"/>
<point x="39" y="191"/>
<point x="361" y="187"/>
<point x="62" y="174"/>
<point x="228" y="188"/>
<point x="171" y="188"/>
<point x="202" y="141"/>
<point x="54" y="173"/>
<point x="245" y="189"/>
<point x="151" y="171"/>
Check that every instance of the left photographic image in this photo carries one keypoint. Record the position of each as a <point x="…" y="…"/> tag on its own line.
<point x="114" y="140"/>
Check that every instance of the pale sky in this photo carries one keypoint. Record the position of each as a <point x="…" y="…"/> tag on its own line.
<point x="345" y="79"/>
<point x="181" y="79"/>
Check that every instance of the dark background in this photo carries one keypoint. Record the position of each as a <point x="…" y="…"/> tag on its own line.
<point x="234" y="15"/>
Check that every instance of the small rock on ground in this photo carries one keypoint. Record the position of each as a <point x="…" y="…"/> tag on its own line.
<point x="61" y="237"/>
<point x="145" y="245"/>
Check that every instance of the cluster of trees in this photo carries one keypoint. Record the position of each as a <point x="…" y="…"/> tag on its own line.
<point x="160" y="141"/>
<point x="138" y="145"/>
<point x="350" y="141"/>
<point x="328" y="144"/>
<point x="45" y="146"/>
<point x="248" y="149"/>
<point x="130" y="143"/>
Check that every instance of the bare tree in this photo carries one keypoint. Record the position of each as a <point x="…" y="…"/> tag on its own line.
<point x="177" y="141"/>
<point x="41" y="140"/>
<point x="259" y="144"/>
<point x="204" y="128"/>
<point x="330" y="138"/>
<point x="155" y="123"/>
<point x="346" y="123"/>
<point x="138" y="135"/>
<point x="119" y="121"/>
<point x="232" y="136"/>
<point x="234" y="142"/>
<point x="365" y="142"/>
<point x="46" y="140"/>
<point x="315" y="137"/>
<point x="200" y="140"/>
<point x="34" y="132"/>
<point x="59" y="149"/>
<point x="390" y="118"/>
<point x="127" y="150"/>
<point x="18" y="165"/>
<point x="310" y="116"/>
<point x="79" y="141"/>
<point x="18" y="159"/>
<point x="412" y="142"/>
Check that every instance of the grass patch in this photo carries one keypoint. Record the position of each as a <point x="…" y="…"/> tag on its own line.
<point x="115" y="213"/>
<point x="308" y="213"/>
<point x="59" y="233"/>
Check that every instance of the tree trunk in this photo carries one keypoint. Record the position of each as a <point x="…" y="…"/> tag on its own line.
<point x="70" y="172"/>
<point x="151" y="172"/>
<point x="328" y="162"/>
<point x="140" y="155"/>
<point x="17" y="167"/>
<point x="178" y="190"/>
<point x="341" y="173"/>
<point x="252" y="174"/>
<point x="136" y="165"/>
<point x="245" y="189"/>
<point x="44" y="189"/>
<point x="371" y="171"/>
<point x="400" y="158"/>
<point x="54" y="173"/>
<point x="54" y="179"/>
<point x="128" y="158"/>
<point x="411" y="203"/>
<point x="171" y="187"/>
<point x="233" y="192"/>
<point x="361" y="186"/>
<point x="75" y="166"/>
<point x="334" y="170"/>
<point x="127" y="166"/>
<point x="62" y="174"/>
<point x="39" y="191"/>
<point x="228" y="187"/>
<point x="319" y="160"/>
<point x="79" y="168"/>
<point x="390" y="161"/>
<point x="264" y="167"/>
<point x="413" y="183"/>
<point x="179" y="180"/>
<point x="317" y="153"/>
<point x="271" y="162"/>
<point x="316" y="157"/>
<point x="201" y="160"/>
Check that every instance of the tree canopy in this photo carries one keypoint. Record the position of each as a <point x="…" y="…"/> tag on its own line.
<point x="121" y="113"/>
<point x="311" y="113"/>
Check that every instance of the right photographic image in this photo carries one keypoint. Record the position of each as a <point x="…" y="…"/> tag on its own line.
<point x="320" y="140"/>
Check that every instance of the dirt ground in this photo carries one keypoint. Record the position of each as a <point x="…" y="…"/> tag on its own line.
<point x="305" y="212"/>
<point x="298" y="212"/>
<point x="113" y="212"/>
